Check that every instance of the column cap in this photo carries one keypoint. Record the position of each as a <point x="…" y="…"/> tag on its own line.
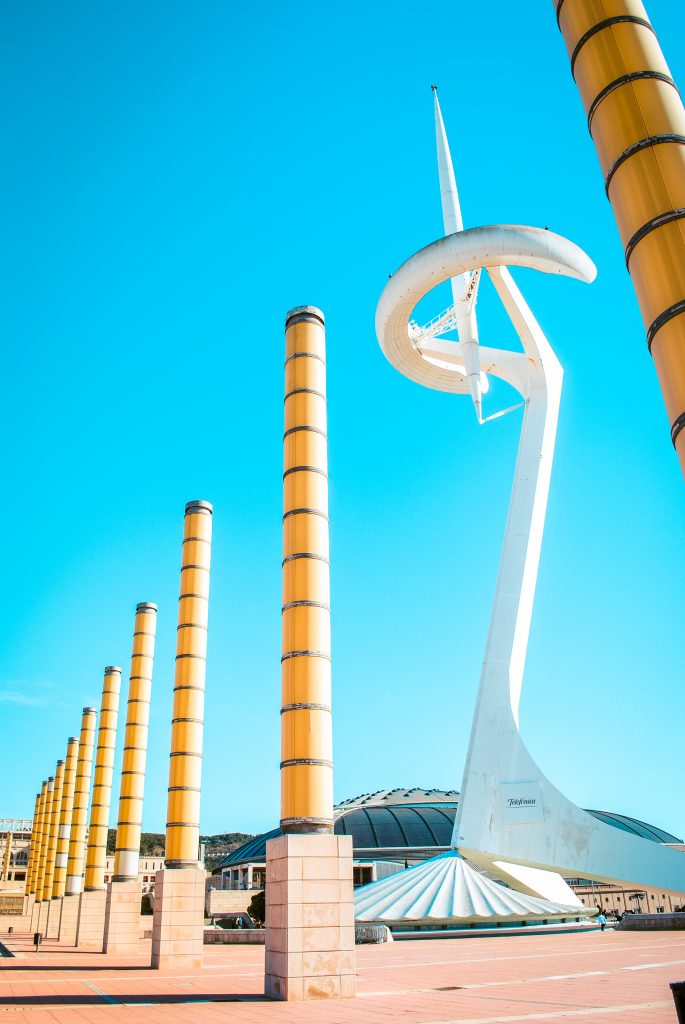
<point x="199" y="506"/>
<point x="304" y="313"/>
<point x="111" y="669"/>
<point x="59" y="763"/>
<point x="90" y="711"/>
<point x="146" y="606"/>
<point x="73" y="739"/>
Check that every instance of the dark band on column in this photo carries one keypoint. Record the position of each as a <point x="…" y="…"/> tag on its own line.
<point x="668" y="314"/>
<point x="294" y="430"/>
<point x="651" y="225"/>
<point x="306" y="707"/>
<point x="600" y="26"/>
<point x="637" y="147"/>
<point x="307" y="355"/>
<point x="560" y="4"/>
<point x="678" y="425"/>
<point x="306" y="604"/>
<point x="305" y="469"/>
<point x="294" y="761"/>
<point x="634" y="76"/>
<point x="305" y="654"/>
<point x="305" y="511"/>
<point x="305" y="391"/>
<point x="305" y="554"/>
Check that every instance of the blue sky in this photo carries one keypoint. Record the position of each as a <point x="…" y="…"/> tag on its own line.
<point x="176" y="177"/>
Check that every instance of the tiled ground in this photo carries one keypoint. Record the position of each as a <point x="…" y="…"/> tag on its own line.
<point x="615" y="976"/>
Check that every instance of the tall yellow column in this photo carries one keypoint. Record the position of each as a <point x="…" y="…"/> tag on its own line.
<point x="135" y="745"/>
<point x="122" y="911"/>
<point x="309" y="927"/>
<point x="36" y="883"/>
<point x="96" y="855"/>
<point x="51" y="853"/>
<point x="7" y="856"/>
<point x="187" y="723"/>
<point x="31" y="866"/>
<point x="77" y="834"/>
<point x="306" y="738"/>
<point x="79" y="815"/>
<point x="637" y="122"/>
<point x="64" y="827"/>
<point x="183" y="877"/>
<point x="92" y="902"/>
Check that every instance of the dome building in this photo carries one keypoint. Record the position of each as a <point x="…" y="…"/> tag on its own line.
<point x="396" y="828"/>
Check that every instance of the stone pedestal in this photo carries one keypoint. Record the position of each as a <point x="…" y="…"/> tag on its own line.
<point x="42" y="921"/>
<point x="29" y="901"/>
<point x="54" y="914"/>
<point x="122" y="918"/>
<point x="91" y="919"/>
<point x="309" y="918"/>
<point x="68" y="922"/>
<point x="35" y="911"/>
<point x="178" y="922"/>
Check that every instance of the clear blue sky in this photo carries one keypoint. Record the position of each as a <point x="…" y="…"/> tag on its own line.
<point x="176" y="176"/>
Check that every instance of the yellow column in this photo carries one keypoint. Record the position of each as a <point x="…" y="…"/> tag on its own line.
<point x="8" y="856"/>
<point x="96" y="856"/>
<point x="35" y="882"/>
<point x="637" y="122"/>
<point x="185" y="769"/>
<point x="30" y="868"/>
<point x="55" y="807"/>
<point x="135" y="745"/>
<point x="64" y="827"/>
<point x="79" y="815"/>
<point x="306" y="737"/>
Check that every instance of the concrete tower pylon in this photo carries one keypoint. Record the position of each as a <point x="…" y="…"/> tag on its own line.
<point x="91" y="916"/>
<point x="122" y="911"/>
<point x="177" y="934"/>
<point x="503" y="788"/>
<point x="637" y="122"/>
<point x="77" y="834"/>
<point x="309" y="926"/>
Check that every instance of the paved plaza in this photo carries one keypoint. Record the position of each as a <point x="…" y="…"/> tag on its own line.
<point x="620" y="975"/>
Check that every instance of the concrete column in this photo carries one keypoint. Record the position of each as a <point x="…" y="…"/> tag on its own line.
<point x="36" y="885"/>
<point x="77" y="835"/>
<point x="51" y="855"/>
<point x="637" y="122"/>
<point x="122" y="914"/>
<point x="177" y="934"/>
<point x="63" y="831"/>
<point x="309" y="903"/>
<point x="91" y="922"/>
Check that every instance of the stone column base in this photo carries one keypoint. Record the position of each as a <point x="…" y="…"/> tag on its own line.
<point x="29" y="900"/>
<point x="68" y="922"/>
<point x="42" y="922"/>
<point x="91" y="919"/>
<point x="54" y="914"/>
<point x="309" y="918"/>
<point x="122" y="918"/>
<point x="179" y="917"/>
<point x="35" y="911"/>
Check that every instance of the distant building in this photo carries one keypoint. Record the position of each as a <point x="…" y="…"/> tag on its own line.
<point x="393" y="829"/>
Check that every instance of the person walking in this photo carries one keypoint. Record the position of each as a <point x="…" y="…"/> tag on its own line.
<point x="601" y="920"/>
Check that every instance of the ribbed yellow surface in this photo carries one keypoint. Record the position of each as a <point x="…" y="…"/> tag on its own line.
<point x="96" y="855"/>
<point x="79" y="814"/>
<point x="637" y="122"/>
<point x="185" y="768"/>
<point x="64" y="826"/>
<point x="7" y="856"/>
<point x="31" y="866"/>
<point x="36" y="880"/>
<point x="135" y="745"/>
<point x="306" y="739"/>
<point x="55" y="809"/>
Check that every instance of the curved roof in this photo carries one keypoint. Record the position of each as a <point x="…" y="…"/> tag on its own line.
<point x="404" y="820"/>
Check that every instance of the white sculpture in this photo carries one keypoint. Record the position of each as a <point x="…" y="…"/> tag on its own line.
<point x="508" y="810"/>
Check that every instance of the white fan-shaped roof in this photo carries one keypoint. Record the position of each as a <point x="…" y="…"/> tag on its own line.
<point x="445" y="889"/>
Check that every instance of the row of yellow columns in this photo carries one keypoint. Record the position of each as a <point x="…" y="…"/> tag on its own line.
<point x="637" y="122"/>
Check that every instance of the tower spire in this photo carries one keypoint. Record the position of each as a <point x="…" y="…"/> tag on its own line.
<point x="464" y="305"/>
